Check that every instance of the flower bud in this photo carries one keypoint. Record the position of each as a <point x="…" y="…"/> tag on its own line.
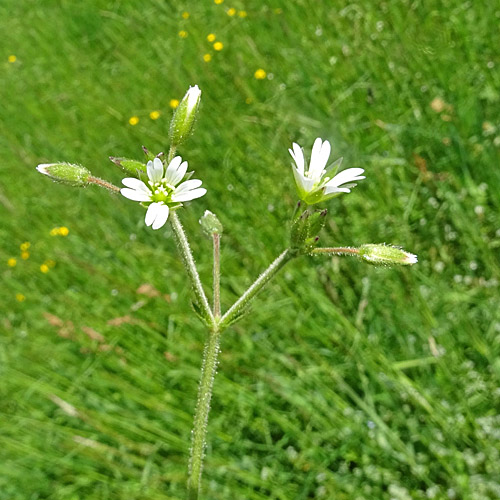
<point x="183" y="120"/>
<point x="386" y="255"/>
<point x="132" y="167"/>
<point x="67" y="173"/>
<point x="210" y="224"/>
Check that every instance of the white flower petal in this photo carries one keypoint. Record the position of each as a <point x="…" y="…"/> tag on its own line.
<point x="136" y="184"/>
<point x="152" y="212"/>
<point x="158" y="169"/>
<point x="188" y="185"/>
<point x="298" y="157"/>
<point x="335" y="189"/>
<point x="304" y="184"/>
<point x="179" y="174"/>
<point x="319" y="157"/>
<point x="189" y="195"/>
<point x="172" y="168"/>
<point x="135" y="195"/>
<point x="161" y="216"/>
<point x="349" y="175"/>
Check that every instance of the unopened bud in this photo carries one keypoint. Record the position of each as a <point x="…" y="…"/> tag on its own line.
<point x="386" y="255"/>
<point x="67" y="173"/>
<point x="184" y="116"/>
<point x="132" y="167"/>
<point x="210" y="223"/>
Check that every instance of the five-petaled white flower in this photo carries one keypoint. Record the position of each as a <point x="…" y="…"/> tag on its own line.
<point x="320" y="183"/>
<point x="162" y="190"/>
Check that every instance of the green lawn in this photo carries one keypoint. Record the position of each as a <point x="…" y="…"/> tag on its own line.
<point x="346" y="382"/>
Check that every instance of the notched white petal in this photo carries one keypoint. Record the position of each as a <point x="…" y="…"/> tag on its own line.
<point x="189" y="195"/>
<point x="135" y="195"/>
<point x="137" y="184"/>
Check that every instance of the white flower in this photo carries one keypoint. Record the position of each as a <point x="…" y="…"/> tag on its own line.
<point x="317" y="184"/>
<point x="162" y="191"/>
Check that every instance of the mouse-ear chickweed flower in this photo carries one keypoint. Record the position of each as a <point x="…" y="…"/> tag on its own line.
<point x="319" y="183"/>
<point x="163" y="189"/>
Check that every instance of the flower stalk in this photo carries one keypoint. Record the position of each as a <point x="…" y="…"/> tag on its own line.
<point x="189" y="264"/>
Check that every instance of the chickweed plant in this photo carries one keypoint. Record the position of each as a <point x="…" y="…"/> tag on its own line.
<point x="162" y="184"/>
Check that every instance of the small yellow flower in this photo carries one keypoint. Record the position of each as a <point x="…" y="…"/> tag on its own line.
<point x="207" y="57"/>
<point x="260" y="74"/>
<point x="54" y="231"/>
<point x="154" y="115"/>
<point x="183" y="34"/>
<point x="25" y="255"/>
<point x="174" y="103"/>
<point x="12" y="262"/>
<point x="63" y="231"/>
<point x="133" y="120"/>
<point x="218" y="46"/>
<point x="44" y="268"/>
<point x="20" y="297"/>
<point x="211" y="37"/>
<point x="231" y="11"/>
<point x="24" y="246"/>
<point x="218" y="2"/>
<point x="242" y="13"/>
<point x="185" y="15"/>
<point x="248" y="100"/>
<point x="12" y="59"/>
<point x="50" y="262"/>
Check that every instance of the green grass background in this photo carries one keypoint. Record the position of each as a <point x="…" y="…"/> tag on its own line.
<point x="346" y="382"/>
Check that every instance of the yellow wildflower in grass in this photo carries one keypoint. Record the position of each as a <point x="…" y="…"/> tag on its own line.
<point x="218" y="2"/>
<point x="185" y="15"/>
<point x="24" y="246"/>
<point x="12" y="262"/>
<point x="154" y="115"/>
<point x="207" y="57"/>
<point x="133" y="120"/>
<point x="20" y="297"/>
<point x="183" y="34"/>
<point x="211" y="37"/>
<point x="12" y="58"/>
<point x="218" y="46"/>
<point x="174" y="103"/>
<point x="63" y="231"/>
<point x="25" y="255"/>
<point x="231" y="11"/>
<point x="260" y="74"/>
<point x="50" y="262"/>
<point x="248" y="100"/>
<point x="242" y="13"/>
<point x="44" y="268"/>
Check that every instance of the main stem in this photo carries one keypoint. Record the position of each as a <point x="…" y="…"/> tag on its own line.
<point x="208" y="370"/>
<point x="189" y="264"/>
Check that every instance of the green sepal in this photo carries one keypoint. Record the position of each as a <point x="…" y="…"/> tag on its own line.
<point x="132" y="167"/>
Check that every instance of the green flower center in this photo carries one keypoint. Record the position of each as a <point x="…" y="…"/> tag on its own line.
<point x="161" y="191"/>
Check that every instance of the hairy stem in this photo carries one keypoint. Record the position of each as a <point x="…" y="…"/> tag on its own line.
<point x="102" y="183"/>
<point x="335" y="251"/>
<point x="189" y="264"/>
<point x="199" y="432"/>
<point x="256" y="287"/>
<point x="216" y="275"/>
